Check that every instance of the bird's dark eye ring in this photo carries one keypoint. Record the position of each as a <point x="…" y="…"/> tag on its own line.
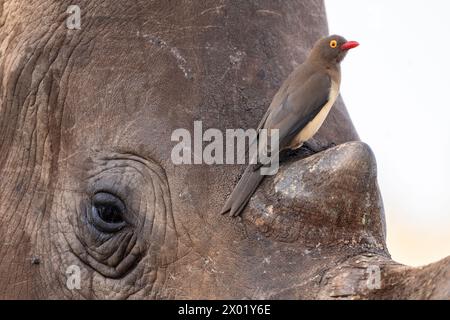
<point x="333" y="44"/>
<point x="107" y="212"/>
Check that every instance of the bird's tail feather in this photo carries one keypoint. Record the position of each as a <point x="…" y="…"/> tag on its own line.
<point x="243" y="191"/>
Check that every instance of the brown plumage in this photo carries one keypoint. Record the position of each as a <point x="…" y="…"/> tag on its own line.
<point x="298" y="109"/>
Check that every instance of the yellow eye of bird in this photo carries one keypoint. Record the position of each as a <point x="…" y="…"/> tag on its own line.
<point x="333" y="44"/>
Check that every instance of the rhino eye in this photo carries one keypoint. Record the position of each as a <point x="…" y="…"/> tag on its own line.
<point x="107" y="212"/>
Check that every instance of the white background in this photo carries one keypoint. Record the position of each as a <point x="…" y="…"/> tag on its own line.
<point x="396" y="86"/>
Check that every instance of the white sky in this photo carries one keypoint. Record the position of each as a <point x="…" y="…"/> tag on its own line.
<point x="396" y="86"/>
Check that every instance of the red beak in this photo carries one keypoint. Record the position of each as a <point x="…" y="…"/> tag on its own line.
<point x="349" y="45"/>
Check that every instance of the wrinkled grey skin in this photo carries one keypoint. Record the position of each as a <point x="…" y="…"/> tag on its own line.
<point x="92" y="110"/>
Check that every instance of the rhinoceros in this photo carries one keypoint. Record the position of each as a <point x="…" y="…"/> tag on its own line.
<point x="91" y="205"/>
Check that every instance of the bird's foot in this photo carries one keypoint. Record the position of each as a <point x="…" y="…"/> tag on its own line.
<point x="316" y="148"/>
<point x="291" y="155"/>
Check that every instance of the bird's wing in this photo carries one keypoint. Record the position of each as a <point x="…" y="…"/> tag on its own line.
<point x="301" y="103"/>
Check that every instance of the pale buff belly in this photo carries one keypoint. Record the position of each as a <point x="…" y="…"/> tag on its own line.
<point x="314" y="125"/>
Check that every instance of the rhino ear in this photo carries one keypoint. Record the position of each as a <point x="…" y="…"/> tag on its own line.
<point x="327" y="198"/>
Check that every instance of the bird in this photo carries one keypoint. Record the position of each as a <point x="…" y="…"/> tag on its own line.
<point x="298" y="109"/>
